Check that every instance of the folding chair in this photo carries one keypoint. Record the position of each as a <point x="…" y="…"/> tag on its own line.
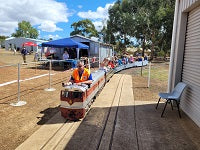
<point x="175" y="95"/>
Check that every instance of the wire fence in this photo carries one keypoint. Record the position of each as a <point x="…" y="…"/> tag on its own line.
<point x="17" y="80"/>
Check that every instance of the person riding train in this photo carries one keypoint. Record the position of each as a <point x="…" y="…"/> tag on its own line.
<point x="80" y="75"/>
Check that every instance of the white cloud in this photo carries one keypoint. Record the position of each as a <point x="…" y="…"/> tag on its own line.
<point x="54" y="37"/>
<point x="100" y="13"/>
<point x="98" y="17"/>
<point x="49" y="26"/>
<point x="98" y="25"/>
<point x="45" y="13"/>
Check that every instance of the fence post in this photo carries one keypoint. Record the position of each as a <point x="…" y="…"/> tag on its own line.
<point x="50" y="88"/>
<point x="19" y="103"/>
<point x="149" y="77"/>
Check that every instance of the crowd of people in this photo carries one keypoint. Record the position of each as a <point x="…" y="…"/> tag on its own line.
<point x="115" y="61"/>
<point x="81" y="75"/>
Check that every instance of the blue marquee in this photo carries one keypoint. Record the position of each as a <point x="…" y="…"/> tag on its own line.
<point x="66" y="42"/>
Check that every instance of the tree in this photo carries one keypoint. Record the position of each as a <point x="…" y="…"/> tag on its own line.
<point x="85" y="28"/>
<point x="167" y="16"/>
<point x="2" y="39"/>
<point x="25" y="30"/>
<point x="149" y="21"/>
<point x="119" y="23"/>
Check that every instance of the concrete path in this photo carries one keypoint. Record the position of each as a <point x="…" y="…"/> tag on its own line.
<point x="115" y="121"/>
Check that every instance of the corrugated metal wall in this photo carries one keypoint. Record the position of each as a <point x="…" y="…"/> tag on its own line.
<point x="105" y="50"/>
<point x="190" y="101"/>
<point x="186" y="62"/>
<point x="17" y="43"/>
<point x="185" y="4"/>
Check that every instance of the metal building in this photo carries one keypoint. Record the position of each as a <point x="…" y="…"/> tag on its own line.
<point x="185" y="55"/>
<point x="12" y="42"/>
<point x="96" y="48"/>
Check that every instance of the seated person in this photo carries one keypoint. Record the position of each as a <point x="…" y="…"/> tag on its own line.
<point x="145" y="57"/>
<point x="124" y="60"/>
<point x="120" y="62"/>
<point x="103" y="66"/>
<point x="111" y="64"/>
<point x="131" y="59"/>
<point x="80" y="75"/>
<point x="140" y="58"/>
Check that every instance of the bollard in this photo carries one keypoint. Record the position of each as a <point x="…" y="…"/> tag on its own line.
<point x="35" y="67"/>
<point x="19" y="103"/>
<point x="149" y="77"/>
<point x="141" y="68"/>
<point x="50" y="88"/>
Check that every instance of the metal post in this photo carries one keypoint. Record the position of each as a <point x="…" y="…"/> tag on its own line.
<point x="89" y="64"/>
<point x="19" y="103"/>
<point x="149" y="77"/>
<point x="77" y="52"/>
<point x="18" y="82"/>
<point x="99" y="56"/>
<point x="141" y="68"/>
<point x="35" y="68"/>
<point x="50" y="67"/>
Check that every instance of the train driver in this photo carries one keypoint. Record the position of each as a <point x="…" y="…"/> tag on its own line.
<point x="80" y="75"/>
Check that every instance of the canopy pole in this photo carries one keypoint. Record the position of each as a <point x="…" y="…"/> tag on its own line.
<point x="77" y="51"/>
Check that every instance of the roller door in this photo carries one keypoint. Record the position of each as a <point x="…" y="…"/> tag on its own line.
<point x="190" y="102"/>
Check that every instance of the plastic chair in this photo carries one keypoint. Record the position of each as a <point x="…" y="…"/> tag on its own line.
<point x="175" y="95"/>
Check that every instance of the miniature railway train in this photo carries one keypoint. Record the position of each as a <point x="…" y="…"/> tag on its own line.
<point x="76" y="100"/>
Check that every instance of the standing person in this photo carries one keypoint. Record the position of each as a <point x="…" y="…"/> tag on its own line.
<point x="24" y="52"/>
<point x="80" y="75"/>
<point x="36" y="56"/>
<point x="65" y="55"/>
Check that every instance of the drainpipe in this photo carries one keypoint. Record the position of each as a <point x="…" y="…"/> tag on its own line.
<point x="173" y="45"/>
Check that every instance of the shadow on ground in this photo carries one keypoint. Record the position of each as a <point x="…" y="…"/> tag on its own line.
<point x="143" y="129"/>
<point x="47" y="114"/>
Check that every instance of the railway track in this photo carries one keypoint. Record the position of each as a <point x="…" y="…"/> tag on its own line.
<point x="100" y="129"/>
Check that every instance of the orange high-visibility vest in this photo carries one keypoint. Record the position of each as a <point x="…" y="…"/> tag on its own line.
<point x="84" y="76"/>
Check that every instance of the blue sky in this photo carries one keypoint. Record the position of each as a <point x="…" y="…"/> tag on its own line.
<point x="52" y="18"/>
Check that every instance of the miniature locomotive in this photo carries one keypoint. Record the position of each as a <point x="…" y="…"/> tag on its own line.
<point x="76" y="100"/>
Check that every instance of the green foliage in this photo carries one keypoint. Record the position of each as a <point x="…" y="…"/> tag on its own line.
<point x="2" y="38"/>
<point x="25" y="30"/>
<point x="85" y="28"/>
<point x="119" y="23"/>
<point x="161" y="53"/>
<point x="120" y="47"/>
<point x="149" y="21"/>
